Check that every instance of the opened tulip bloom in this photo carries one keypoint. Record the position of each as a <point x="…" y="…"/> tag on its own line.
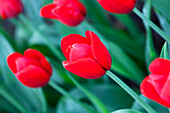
<point x="31" y="69"/>
<point x="69" y="12"/>
<point x="156" y="86"/>
<point x="87" y="56"/>
<point x="118" y="6"/>
<point x="10" y="8"/>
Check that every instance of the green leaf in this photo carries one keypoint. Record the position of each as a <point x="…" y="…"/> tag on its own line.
<point x="124" y="64"/>
<point x="126" y="111"/>
<point x="162" y="6"/>
<point x="96" y="102"/>
<point x="150" y="53"/>
<point x="164" y="51"/>
<point x="112" y="96"/>
<point x="130" y="24"/>
<point x="157" y="107"/>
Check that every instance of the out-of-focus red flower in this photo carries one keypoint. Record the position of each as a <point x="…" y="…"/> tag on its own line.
<point x="31" y="69"/>
<point x="156" y="86"/>
<point x="69" y="12"/>
<point x="118" y="6"/>
<point x="10" y="8"/>
<point x="87" y="56"/>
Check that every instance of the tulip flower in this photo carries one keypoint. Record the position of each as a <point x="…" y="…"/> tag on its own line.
<point x="10" y="8"/>
<point x="156" y="86"/>
<point x="87" y="56"/>
<point x="118" y="6"/>
<point x="31" y="69"/>
<point x="69" y="12"/>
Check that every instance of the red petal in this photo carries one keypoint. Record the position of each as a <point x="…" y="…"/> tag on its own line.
<point x="79" y="51"/>
<point x="165" y="94"/>
<point x="86" y="68"/>
<point x="69" y="15"/>
<point x="11" y="61"/>
<point x="47" y="12"/>
<point x="23" y="62"/>
<point x="160" y="66"/>
<point x="99" y="50"/>
<point x="118" y="6"/>
<point x="10" y="8"/>
<point x="34" y="54"/>
<point x="70" y="40"/>
<point x="149" y="91"/>
<point x="33" y="77"/>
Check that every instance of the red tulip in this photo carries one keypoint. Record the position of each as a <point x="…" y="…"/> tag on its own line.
<point x="118" y="6"/>
<point x="69" y="12"/>
<point x="156" y="86"/>
<point x="87" y="56"/>
<point x="10" y="8"/>
<point x="31" y="69"/>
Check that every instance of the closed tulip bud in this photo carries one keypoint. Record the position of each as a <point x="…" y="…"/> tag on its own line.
<point x="69" y="12"/>
<point x="118" y="6"/>
<point x="10" y="8"/>
<point x="31" y="69"/>
<point x="156" y="86"/>
<point x="87" y="56"/>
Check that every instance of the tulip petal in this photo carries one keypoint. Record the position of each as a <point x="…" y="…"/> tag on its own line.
<point x="70" y="40"/>
<point x="149" y="91"/>
<point x="86" y="68"/>
<point x="47" y="12"/>
<point x="165" y="94"/>
<point x="69" y="15"/>
<point x="158" y="82"/>
<point x="10" y="8"/>
<point x="34" y="54"/>
<point x="160" y="66"/>
<point x="11" y="61"/>
<point x="79" y="51"/>
<point x="33" y="77"/>
<point x="118" y="6"/>
<point x="99" y="50"/>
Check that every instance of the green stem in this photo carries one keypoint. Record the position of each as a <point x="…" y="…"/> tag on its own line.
<point x="130" y="92"/>
<point x="63" y="92"/>
<point x="56" y="53"/>
<point x="40" y="95"/>
<point x="151" y="24"/>
<point x="12" y="100"/>
<point x="96" y="102"/>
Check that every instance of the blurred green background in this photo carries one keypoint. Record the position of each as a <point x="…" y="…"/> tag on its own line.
<point x="130" y="41"/>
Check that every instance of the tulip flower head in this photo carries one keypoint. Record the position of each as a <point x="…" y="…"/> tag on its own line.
<point x="69" y="12"/>
<point x="156" y="86"/>
<point x="10" y="8"/>
<point x="31" y="69"/>
<point x="87" y="56"/>
<point x="118" y="6"/>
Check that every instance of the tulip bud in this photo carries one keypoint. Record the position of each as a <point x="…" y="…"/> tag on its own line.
<point x="87" y="56"/>
<point x="10" y="8"/>
<point x="118" y="6"/>
<point x="156" y="86"/>
<point x="31" y="69"/>
<point x="69" y="12"/>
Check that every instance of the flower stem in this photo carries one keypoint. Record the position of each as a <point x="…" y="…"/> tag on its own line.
<point x="130" y="92"/>
<point x="66" y="94"/>
<point x="151" y="24"/>
<point x="40" y="95"/>
<point x="48" y="43"/>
